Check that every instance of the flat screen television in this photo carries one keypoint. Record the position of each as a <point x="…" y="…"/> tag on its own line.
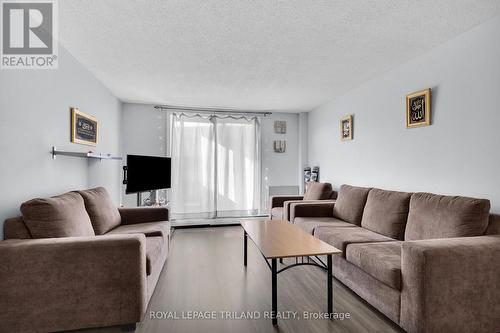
<point x="146" y="173"/>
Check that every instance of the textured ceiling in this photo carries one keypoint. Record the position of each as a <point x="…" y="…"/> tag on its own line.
<point x="254" y="54"/>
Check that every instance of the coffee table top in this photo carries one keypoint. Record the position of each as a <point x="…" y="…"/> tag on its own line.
<point x="281" y="239"/>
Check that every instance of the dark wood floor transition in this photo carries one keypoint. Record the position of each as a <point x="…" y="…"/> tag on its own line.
<point x="205" y="272"/>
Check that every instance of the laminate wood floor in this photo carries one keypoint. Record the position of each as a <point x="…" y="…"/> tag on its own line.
<point x="205" y="272"/>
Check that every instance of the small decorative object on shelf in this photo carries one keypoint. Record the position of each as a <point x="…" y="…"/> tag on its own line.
<point x="418" y="109"/>
<point x="280" y="127"/>
<point x="307" y="177"/>
<point x="310" y="175"/>
<point x="279" y="146"/>
<point x="84" y="128"/>
<point x="346" y="128"/>
<point x="315" y="174"/>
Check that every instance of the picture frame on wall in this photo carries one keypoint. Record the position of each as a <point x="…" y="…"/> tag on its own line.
<point x="418" y="109"/>
<point x="84" y="128"/>
<point x="279" y="146"/>
<point x="346" y="128"/>
<point x="280" y="126"/>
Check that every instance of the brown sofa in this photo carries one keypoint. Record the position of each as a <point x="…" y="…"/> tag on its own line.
<point x="76" y="261"/>
<point x="279" y="206"/>
<point x="430" y="263"/>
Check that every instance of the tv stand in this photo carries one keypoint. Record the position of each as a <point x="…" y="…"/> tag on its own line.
<point x="153" y="200"/>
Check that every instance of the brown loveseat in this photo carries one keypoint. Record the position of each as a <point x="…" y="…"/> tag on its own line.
<point x="279" y="207"/>
<point x="76" y="261"/>
<point x="430" y="263"/>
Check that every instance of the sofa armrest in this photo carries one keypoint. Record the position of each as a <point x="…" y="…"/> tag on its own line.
<point x="287" y="205"/>
<point x="451" y="285"/>
<point x="309" y="209"/>
<point x="279" y="200"/>
<point x="56" y="284"/>
<point x="143" y="214"/>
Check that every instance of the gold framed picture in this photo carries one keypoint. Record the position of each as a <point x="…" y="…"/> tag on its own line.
<point x="84" y="128"/>
<point x="346" y="128"/>
<point x="418" y="109"/>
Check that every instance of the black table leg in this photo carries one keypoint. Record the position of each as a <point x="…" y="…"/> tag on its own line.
<point x="329" y="284"/>
<point x="245" y="241"/>
<point x="274" y="272"/>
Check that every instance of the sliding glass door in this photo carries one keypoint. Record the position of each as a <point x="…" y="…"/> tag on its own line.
<point x="215" y="166"/>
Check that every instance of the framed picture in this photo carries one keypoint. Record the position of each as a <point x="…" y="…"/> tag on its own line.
<point x="346" y="128"/>
<point x="280" y="127"/>
<point x="84" y="128"/>
<point x="418" y="109"/>
<point x="279" y="146"/>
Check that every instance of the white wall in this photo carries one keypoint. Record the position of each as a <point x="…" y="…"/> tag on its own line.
<point x="459" y="154"/>
<point x="145" y="132"/>
<point x="303" y="147"/>
<point x="34" y="116"/>
<point x="280" y="169"/>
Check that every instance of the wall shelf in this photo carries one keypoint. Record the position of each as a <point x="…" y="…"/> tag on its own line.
<point x="91" y="155"/>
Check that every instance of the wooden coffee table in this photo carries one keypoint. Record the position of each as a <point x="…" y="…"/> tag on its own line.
<point x="281" y="239"/>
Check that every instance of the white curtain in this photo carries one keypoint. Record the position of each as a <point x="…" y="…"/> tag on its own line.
<point x="238" y="166"/>
<point x="215" y="166"/>
<point x="193" y="184"/>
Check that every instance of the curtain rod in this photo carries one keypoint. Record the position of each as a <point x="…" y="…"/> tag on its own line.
<point x="211" y="110"/>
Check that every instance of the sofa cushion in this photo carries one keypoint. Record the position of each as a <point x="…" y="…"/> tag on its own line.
<point x="15" y="228"/>
<point x="154" y="248"/>
<point x="341" y="237"/>
<point x="308" y="224"/>
<point x="493" y="225"/>
<point x="386" y="212"/>
<point x="277" y="213"/>
<point x="318" y="191"/>
<point x="350" y="203"/>
<point x="149" y="229"/>
<point x="380" y="260"/>
<point x="103" y="213"/>
<point x="439" y="216"/>
<point x="59" y="216"/>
